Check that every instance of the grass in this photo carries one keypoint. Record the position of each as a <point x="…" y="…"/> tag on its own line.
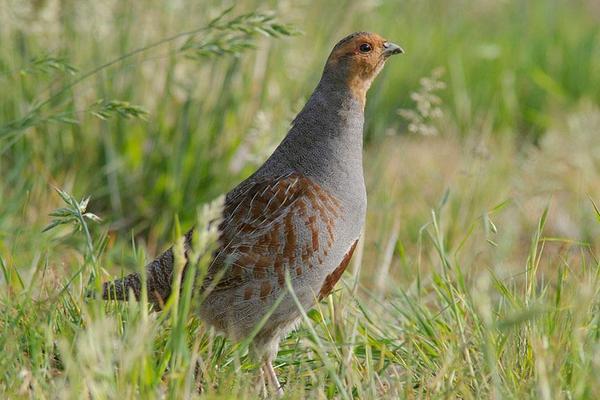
<point x="477" y="276"/>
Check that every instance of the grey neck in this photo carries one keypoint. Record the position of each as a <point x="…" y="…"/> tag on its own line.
<point x="326" y="138"/>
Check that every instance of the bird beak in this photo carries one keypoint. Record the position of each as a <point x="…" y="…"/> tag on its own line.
<point x="391" y="49"/>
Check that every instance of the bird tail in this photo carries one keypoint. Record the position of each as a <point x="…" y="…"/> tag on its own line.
<point x="159" y="278"/>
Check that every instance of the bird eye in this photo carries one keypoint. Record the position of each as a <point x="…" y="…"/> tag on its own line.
<point x="365" y="48"/>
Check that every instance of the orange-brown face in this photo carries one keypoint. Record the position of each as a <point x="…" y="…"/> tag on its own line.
<point x="360" y="57"/>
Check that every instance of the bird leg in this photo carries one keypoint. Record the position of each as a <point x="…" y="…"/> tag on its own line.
<point x="260" y="385"/>
<point x="272" y="380"/>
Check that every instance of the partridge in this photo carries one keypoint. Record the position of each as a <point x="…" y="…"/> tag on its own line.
<point x="298" y="216"/>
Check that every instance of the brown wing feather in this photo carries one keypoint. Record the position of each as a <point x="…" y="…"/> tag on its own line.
<point x="274" y="226"/>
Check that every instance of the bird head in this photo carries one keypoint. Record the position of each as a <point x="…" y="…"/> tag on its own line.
<point x="357" y="59"/>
